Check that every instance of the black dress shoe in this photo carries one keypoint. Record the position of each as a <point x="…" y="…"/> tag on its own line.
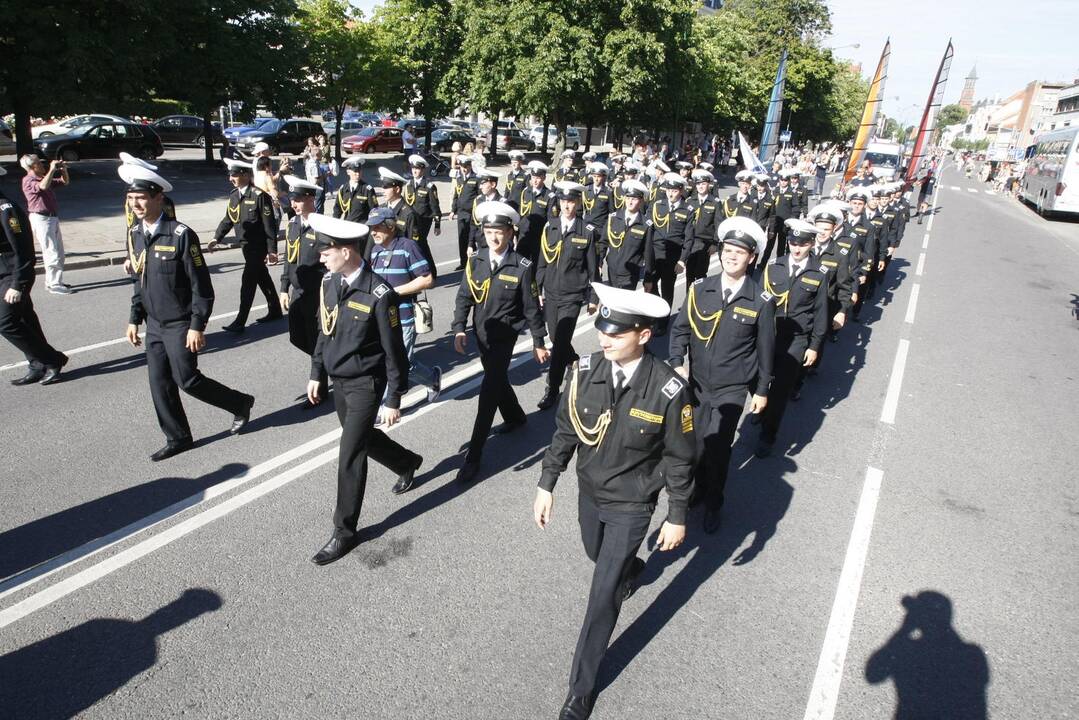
<point x="32" y="376"/>
<point x="405" y="482"/>
<point x="508" y="427"/>
<point x="764" y="448"/>
<point x="712" y="521"/>
<point x="270" y="317"/>
<point x="468" y="472"/>
<point x="239" y="420"/>
<point x="335" y="549"/>
<point x="233" y="328"/>
<point x="629" y="585"/>
<point x="171" y="449"/>
<point x="577" y="707"/>
<point x="549" y="399"/>
<point x="52" y="374"/>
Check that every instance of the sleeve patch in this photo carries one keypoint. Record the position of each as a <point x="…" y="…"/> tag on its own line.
<point x="394" y="320"/>
<point x="13" y="223"/>
<point x="672" y="388"/>
<point x="525" y="262"/>
<point x="181" y="229"/>
<point x="687" y="419"/>
<point x="766" y="296"/>
<point x="585" y="362"/>
<point x="380" y="290"/>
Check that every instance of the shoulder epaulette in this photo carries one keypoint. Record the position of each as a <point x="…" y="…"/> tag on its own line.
<point x="380" y="290"/>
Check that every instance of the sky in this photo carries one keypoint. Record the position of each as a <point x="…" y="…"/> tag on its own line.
<point x="1011" y="42"/>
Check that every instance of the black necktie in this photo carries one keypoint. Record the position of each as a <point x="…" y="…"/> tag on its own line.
<point x="726" y="297"/>
<point x="619" y="385"/>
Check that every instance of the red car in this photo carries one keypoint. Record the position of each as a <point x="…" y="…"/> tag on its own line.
<point x="373" y="139"/>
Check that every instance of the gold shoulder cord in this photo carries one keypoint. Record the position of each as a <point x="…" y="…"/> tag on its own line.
<point x="292" y="247"/>
<point x="619" y="200"/>
<point x="233" y="212"/>
<point x="660" y="222"/>
<point x="475" y="220"/>
<point x="457" y="188"/>
<point x="587" y="205"/>
<point x="695" y="315"/>
<point x="328" y="317"/>
<point x="550" y="254"/>
<point x="128" y="214"/>
<point x="137" y="262"/>
<point x="479" y="290"/>
<point x="727" y="211"/>
<point x="410" y="199"/>
<point x="344" y="205"/>
<point x="591" y="436"/>
<point x="613" y="239"/>
<point x="781" y="298"/>
<point x="526" y="207"/>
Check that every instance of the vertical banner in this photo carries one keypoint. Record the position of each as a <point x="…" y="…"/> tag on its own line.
<point x="929" y="117"/>
<point x="770" y="136"/>
<point x="870" y="114"/>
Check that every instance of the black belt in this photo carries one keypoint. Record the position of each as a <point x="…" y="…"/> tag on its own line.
<point x="46" y="214"/>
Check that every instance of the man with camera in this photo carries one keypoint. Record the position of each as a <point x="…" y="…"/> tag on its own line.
<point x="37" y="188"/>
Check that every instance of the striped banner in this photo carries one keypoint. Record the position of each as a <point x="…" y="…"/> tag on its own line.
<point x="870" y="115"/>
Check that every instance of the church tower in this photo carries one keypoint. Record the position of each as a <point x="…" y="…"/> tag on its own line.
<point x="966" y="100"/>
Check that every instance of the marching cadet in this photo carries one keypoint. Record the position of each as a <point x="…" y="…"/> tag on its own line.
<point x="538" y="205"/>
<point x="250" y="212"/>
<point x="18" y="321"/>
<point x="786" y="207"/>
<point x="629" y="419"/>
<point x="596" y="196"/>
<point x="764" y="204"/>
<point x="667" y="218"/>
<point x="500" y="291"/>
<point x="617" y="161"/>
<point x="488" y="187"/>
<point x="393" y="186"/>
<point x="801" y="195"/>
<point x="567" y="266"/>
<point x="301" y="276"/>
<point x="861" y="234"/>
<point x="625" y="245"/>
<point x="360" y="348"/>
<point x="685" y="169"/>
<point x="465" y="189"/>
<point x="726" y="330"/>
<point x="900" y="209"/>
<point x="709" y="168"/>
<point x="586" y="168"/>
<point x="174" y="295"/>
<point x="356" y="198"/>
<point x="875" y="259"/>
<point x="517" y="177"/>
<point x="834" y="257"/>
<point x="740" y="203"/>
<point x="565" y="170"/>
<point x="864" y="176"/>
<point x="169" y="208"/>
<point x="799" y="288"/>
<point x="701" y="231"/>
<point x="422" y="196"/>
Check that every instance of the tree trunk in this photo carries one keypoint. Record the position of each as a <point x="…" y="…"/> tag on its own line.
<point x="338" y="111"/>
<point x="24" y="141"/>
<point x="546" y="124"/>
<point x="208" y="133"/>
<point x="588" y="137"/>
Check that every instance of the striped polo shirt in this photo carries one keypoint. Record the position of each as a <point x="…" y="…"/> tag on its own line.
<point x="398" y="263"/>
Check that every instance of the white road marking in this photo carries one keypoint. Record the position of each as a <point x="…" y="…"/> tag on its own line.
<point x="895" y="383"/>
<point x="973" y="190"/>
<point x="825" y="692"/>
<point x="912" y="305"/>
<point x="921" y="265"/>
<point x="925" y="241"/>
<point x="956" y="187"/>
<point x="117" y="341"/>
<point x="990" y="192"/>
<point x="125" y="557"/>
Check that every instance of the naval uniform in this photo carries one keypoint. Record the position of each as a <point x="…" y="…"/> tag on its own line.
<point x="668" y="224"/>
<point x="516" y="182"/>
<point x="250" y="212"/>
<point x="596" y="204"/>
<point x="630" y="444"/>
<point x="19" y="323"/>
<point x="700" y="235"/>
<point x="355" y="203"/>
<point x="500" y="300"/>
<point x="538" y="206"/>
<point x="422" y="196"/>
<point x="168" y="209"/>
<point x="835" y="260"/>
<point x="625" y="246"/>
<point x="301" y="277"/>
<point x="730" y="345"/>
<point x="567" y="266"/>
<point x="739" y="206"/>
<point x="173" y="294"/>
<point x="764" y="208"/>
<point x="476" y="238"/>
<point x="784" y="208"/>
<point x="465" y="190"/>
<point x="361" y="348"/>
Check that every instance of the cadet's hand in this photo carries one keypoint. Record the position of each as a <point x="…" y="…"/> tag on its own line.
<point x="459" y="342"/>
<point x="133" y="335"/>
<point x="890" y="251"/>
<point x="683" y="372"/>
<point x="453" y="216"/>
<point x="541" y="354"/>
<point x="810" y="357"/>
<point x="471" y="251"/>
<point x="127" y="266"/>
<point x="854" y="298"/>
<point x="591" y="308"/>
<point x="839" y="320"/>
<point x="862" y="279"/>
<point x="438" y="231"/>
<point x="211" y="246"/>
<point x="880" y="264"/>
<point x="541" y="508"/>
<point x="195" y="340"/>
<point x="648" y="287"/>
<point x="670" y="536"/>
<point x="390" y="416"/>
<point x="680" y="268"/>
<point x="313" y="387"/>
<point x="540" y="301"/>
<point x="271" y="259"/>
<point x="12" y="296"/>
<point x="284" y="302"/>
<point x="757" y="404"/>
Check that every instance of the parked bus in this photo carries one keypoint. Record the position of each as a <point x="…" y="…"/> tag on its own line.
<point x="1051" y="181"/>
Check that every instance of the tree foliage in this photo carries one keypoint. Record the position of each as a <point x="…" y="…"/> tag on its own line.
<point x="951" y="114"/>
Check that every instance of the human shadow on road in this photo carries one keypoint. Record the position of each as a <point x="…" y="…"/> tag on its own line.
<point x="115" y="282"/>
<point x="35" y="542"/>
<point x="757" y="499"/>
<point x="1075" y="305"/>
<point x="936" y="673"/>
<point x="64" y="674"/>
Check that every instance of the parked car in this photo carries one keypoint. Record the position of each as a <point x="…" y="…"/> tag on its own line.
<point x="348" y="127"/>
<point x="62" y="127"/>
<point x="442" y="139"/>
<point x="419" y="126"/>
<point x="184" y="130"/>
<point x="101" y="140"/>
<point x="237" y="130"/>
<point x="283" y="136"/>
<point x="373" y="139"/>
<point x="328" y="115"/>
<point x="7" y="139"/>
<point x="369" y="119"/>
<point x="514" y="139"/>
<point x="573" y="137"/>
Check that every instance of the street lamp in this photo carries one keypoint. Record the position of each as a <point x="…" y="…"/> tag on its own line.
<point x="844" y="47"/>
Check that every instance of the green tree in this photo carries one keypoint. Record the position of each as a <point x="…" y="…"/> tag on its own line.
<point x="951" y="114"/>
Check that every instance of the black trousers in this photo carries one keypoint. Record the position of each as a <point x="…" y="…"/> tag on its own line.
<point x="20" y="326"/>
<point x="788" y="372"/>
<point x="776" y="239"/>
<point x="303" y="323"/>
<point x="356" y="401"/>
<point x="255" y="274"/>
<point x="496" y="393"/>
<point x="464" y="229"/>
<point x="174" y="368"/>
<point x="561" y="318"/>
<point x="665" y="278"/>
<point x="716" y="419"/>
<point x="611" y="540"/>
<point x="697" y="265"/>
<point x="423" y="230"/>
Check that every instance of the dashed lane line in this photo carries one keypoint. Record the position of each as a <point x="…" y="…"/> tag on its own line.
<point x="895" y="383"/>
<point x="925" y="241"/>
<point x="921" y="265"/>
<point x="912" y="305"/>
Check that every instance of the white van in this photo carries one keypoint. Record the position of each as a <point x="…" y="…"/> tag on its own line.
<point x="1051" y="181"/>
<point x="884" y="159"/>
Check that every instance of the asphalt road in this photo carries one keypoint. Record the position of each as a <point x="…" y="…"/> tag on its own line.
<point x="931" y="454"/>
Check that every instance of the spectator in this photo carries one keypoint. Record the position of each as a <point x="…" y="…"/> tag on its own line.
<point x="480" y="157"/>
<point x="408" y="142"/>
<point x="455" y="153"/>
<point x="821" y="174"/>
<point x="37" y="188"/>
<point x="313" y="169"/>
